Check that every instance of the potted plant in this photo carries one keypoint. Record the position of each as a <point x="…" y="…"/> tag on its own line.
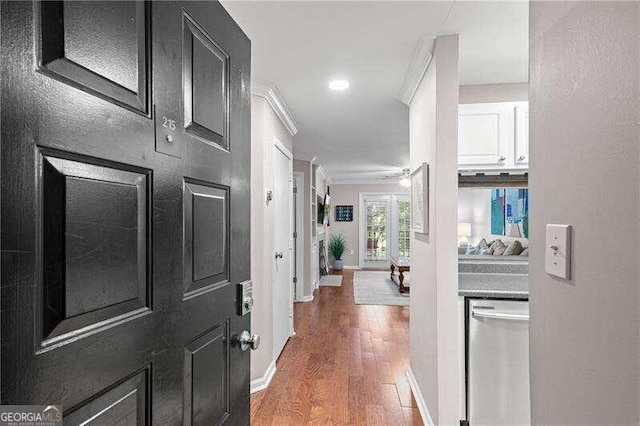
<point x="337" y="246"/>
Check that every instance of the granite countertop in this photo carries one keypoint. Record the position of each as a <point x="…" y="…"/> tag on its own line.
<point x="512" y="286"/>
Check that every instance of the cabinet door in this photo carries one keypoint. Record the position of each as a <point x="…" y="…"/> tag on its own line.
<point x="521" y="157"/>
<point x="485" y="135"/>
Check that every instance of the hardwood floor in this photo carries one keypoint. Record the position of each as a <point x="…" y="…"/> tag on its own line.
<point x="346" y="365"/>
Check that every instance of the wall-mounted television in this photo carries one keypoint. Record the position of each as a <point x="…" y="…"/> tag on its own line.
<point x="327" y="209"/>
<point x="320" y="211"/>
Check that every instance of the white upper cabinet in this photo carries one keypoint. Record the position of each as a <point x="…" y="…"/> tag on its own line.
<point x="522" y="134"/>
<point x="493" y="136"/>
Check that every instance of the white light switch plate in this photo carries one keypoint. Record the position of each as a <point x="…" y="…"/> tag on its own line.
<point x="557" y="259"/>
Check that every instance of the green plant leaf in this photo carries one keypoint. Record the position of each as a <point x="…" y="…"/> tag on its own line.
<point x="337" y="246"/>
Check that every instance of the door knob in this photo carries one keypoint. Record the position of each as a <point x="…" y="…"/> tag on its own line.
<point x="279" y="255"/>
<point x="521" y="158"/>
<point x="248" y="340"/>
<point x="502" y="158"/>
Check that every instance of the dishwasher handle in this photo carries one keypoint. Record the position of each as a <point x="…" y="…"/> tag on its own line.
<point x="490" y="313"/>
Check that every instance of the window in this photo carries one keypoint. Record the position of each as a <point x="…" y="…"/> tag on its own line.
<point x="404" y="226"/>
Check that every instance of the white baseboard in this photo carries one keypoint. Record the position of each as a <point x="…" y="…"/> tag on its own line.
<point x="263" y="382"/>
<point x="352" y="267"/>
<point x="417" y="395"/>
<point x="305" y="298"/>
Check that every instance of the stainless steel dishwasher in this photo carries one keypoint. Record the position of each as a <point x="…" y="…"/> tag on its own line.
<point x="498" y="363"/>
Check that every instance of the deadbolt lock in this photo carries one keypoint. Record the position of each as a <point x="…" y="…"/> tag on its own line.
<point x="248" y="303"/>
<point x="245" y="297"/>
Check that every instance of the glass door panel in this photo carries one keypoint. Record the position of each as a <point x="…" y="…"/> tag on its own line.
<point x="403" y="221"/>
<point x="376" y="231"/>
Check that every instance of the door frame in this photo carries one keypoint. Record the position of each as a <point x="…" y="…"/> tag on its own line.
<point x="362" y="228"/>
<point x="279" y="146"/>
<point x="299" y="241"/>
<point x="392" y="227"/>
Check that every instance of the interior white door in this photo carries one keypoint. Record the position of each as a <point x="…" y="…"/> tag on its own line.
<point x="299" y="240"/>
<point x="283" y="245"/>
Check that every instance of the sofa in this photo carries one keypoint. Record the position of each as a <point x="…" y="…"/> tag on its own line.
<point x="497" y="247"/>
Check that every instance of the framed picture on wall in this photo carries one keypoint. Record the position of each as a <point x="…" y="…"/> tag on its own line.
<point x="420" y="199"/>
<point x="344" y="213"/>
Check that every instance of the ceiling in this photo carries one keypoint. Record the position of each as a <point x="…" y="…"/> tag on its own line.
<point x="362" y="134"/>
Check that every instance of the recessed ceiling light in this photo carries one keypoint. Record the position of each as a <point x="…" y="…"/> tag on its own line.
<point x="339" y="85"/>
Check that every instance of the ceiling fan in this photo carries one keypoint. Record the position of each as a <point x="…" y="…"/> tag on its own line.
<point x="404" y="174"/>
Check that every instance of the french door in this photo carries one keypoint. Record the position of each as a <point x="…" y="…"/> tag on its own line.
<point x="401" y="209"/>
<point x="384" y="228"/>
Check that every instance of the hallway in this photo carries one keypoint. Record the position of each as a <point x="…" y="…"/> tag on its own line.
<point x="346" y="365"/>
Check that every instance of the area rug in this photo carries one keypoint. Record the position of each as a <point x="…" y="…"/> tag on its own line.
<point x="376" y="288"/>
<point x="331" y="280"/>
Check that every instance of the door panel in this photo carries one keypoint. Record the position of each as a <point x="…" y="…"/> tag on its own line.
<point x="206" y="231"/>
<point x="114" y="66"/>
<point x="206" y="376"/>
<point x="125" y="403"/>
<point x="206" y="73"/>
<point x="94" y="235"/>
<point x="118" y="261"/>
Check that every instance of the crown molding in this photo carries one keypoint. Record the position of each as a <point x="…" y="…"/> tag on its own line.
<point x="322" y="172"/>
<point x="270" y="92"/>
<point x="417" y="68"/>
<point x="365" y="182"/>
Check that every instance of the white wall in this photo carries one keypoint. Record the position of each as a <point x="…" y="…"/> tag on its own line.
<point x="584" y="133"/>
<point x="264" y="126"/>
<point x="344" y="194"/>
<point x="487" y="93"/>
<point x="433" y="325"/>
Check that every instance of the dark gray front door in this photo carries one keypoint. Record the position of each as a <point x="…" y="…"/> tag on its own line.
<point x="125" y="211"/>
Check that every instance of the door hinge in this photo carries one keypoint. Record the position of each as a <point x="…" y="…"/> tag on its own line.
<point x="295" y="280"/>
<point x="295" y="189"/>
<point x="295" y="235"/>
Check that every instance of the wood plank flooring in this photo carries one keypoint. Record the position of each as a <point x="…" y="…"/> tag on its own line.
<point x="346" y="365"/>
